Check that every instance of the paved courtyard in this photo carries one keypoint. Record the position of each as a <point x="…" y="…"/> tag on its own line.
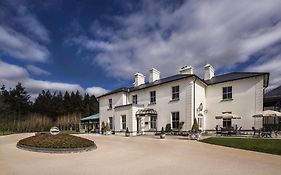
<point x="137" y="155"/>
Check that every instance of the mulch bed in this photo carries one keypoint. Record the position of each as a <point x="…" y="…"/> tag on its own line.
<point x="56" y="143"/>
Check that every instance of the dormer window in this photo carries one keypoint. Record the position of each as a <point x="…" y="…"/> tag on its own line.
<point x="227" y="93"/>
<point x="135" y="99"/>
<point x="110" y="103"/>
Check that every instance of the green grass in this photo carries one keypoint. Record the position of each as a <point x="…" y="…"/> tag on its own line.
<point x="271" y="146"/>
<point x="56" y="141"/>
<point x="2" y="133"/>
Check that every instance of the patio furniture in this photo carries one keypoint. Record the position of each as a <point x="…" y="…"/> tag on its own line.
<point x="256" y="131"/>
<point x="267" y="133"/>
<point x="217" y="130"/>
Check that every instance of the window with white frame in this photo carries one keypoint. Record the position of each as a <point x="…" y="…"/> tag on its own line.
<point x="227" y="93"/>
<point x="110" y="103"/>
<point x="152" y="97"/>
<point x="175" y="120"/>
<point x="135" y="99"/>
<point x="175" y="93"/>
<point x="123" y="122"/>
<point x="153" y="122"/>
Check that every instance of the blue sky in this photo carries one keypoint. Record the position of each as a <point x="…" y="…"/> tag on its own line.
<point x="97" y="46"/>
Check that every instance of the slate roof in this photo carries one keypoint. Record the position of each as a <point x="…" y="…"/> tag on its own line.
<point x="217" y="79"/>
<point x="234" y="76"/>
<point x="273" y="95"/>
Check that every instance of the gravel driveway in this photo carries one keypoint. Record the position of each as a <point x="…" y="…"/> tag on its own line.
<point x="137" y="155"/>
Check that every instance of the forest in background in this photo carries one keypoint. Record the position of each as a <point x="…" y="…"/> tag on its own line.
<point x="64" y="110"/>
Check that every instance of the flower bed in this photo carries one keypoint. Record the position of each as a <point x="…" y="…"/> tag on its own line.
<point x="56" y="143"/>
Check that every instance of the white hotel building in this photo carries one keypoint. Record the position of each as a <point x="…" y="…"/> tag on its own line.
<point x="149" y="106"/>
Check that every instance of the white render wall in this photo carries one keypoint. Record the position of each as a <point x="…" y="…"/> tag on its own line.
<point x="247" y="100"/>
<point x="164" y="106"/>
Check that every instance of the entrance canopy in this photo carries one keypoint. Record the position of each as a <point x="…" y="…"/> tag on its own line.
<point x="147" y="111"/>
<point x="90" y="118"/>
<point x="228" y="116"/>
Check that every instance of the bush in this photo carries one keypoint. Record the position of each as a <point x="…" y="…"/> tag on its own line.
<point x="195" y="126"/>
<point x="168" y="128"/>
<point x="107" y="127"/>
<point x="181" y="125"/>
<point x="162" y="131"/>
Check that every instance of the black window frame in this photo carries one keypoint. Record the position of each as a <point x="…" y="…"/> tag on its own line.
<point x="153" y="122"/>
<point x="152" y="97"/>
<point x="110" y="103"/>
<point x="176" y="92"/>
<point x="227" y="93"/>
<point x="175" y="120"/>
<point x="135" y="99"/>
<point x="226" y="123"/>
<point x="123" y="122"/>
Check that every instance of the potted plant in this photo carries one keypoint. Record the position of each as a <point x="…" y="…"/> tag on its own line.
<point x="195" y="132"/>
<point x="107" y="129"/>
<point x="127" y="133"/>
<point x="168" y="128"/>
<point x="162" y="134"/>
<point x="102" y="127"/>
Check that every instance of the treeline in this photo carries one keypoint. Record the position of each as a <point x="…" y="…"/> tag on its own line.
<point x="18" y="113"/>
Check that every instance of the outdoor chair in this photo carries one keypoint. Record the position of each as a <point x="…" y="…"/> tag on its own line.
<point x="239" y="130"/>
<point x="256" y="131"/>
<point x="217" y="130"/>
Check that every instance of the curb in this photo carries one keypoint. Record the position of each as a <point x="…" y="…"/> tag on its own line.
<point x="55" y="150"/>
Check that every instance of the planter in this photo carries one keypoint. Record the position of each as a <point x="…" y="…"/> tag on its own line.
<point x="162" y="136"/>
<point x="194" y="136"/>
<point x="107" y="132"/>
<point x="127" y="134"/>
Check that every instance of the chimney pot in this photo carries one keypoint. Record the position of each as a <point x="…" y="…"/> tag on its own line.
<point x="209" y="72"/>
<point x="186" y="70"/>
<point x="139" y="79"/>
<point x="154" y="75"/>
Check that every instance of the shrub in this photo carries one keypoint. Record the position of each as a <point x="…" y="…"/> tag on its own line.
<point x="162" y="131"/>
<point x="168" y="128"/>
<point x="107" y="127"/>
<point x="181" y="125"/>
<point x="195" y="126"/>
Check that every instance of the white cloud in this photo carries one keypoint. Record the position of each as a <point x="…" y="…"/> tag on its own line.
<point x="37" y="70"/>
<point x="271" y="65"/>
<point x="31" y="23"/>
<point x="97" y="91"/>
<point x="222" y="33"/>
<point x="11" y="72"/>
<point x="19" y="46"/>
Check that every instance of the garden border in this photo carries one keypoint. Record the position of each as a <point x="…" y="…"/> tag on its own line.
<point x="56" y="150"/>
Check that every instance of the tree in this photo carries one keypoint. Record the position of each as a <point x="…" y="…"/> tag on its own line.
<point x="19" y="99"/>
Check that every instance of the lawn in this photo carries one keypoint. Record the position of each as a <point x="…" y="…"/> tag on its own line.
<point x="271" y="146"/>
<point x="2" y="133"/>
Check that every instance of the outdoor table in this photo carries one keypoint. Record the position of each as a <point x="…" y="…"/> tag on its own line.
<point x="266" y="134"/>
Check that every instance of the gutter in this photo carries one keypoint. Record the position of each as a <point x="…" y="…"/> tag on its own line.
<point x="194" y="98"/>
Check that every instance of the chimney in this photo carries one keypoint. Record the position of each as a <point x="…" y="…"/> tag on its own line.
<point x="139" y="79"/>
<point x="209" y="72"/>
<point x="154" y="75"/>
<point x="186" y="70"/>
